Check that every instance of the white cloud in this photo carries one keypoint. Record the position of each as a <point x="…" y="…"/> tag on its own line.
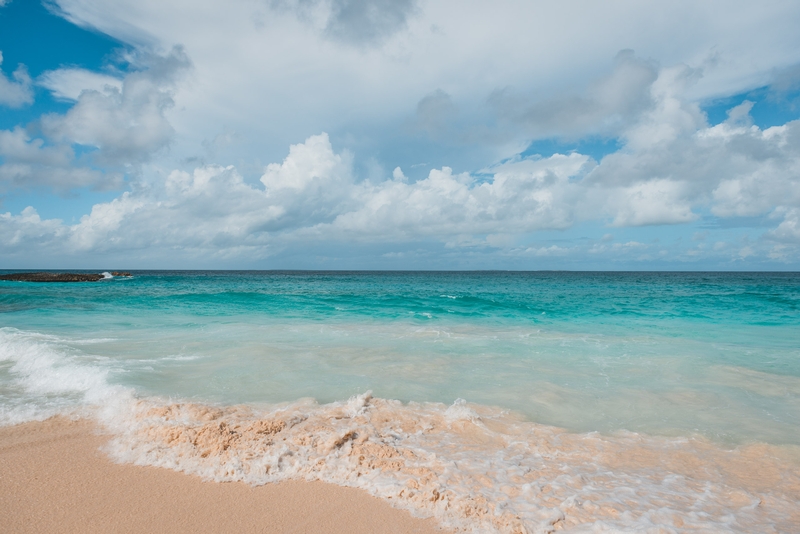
<point x="657" y="201"/>
<point x="27" y="231"/>
<point x="674" y="162"/>
<point x="310" y="165"/>
<point x="119" y="123"/>
<point x="467" y="82"/>
<point x="210" y="210"/>
<point x="15" y="93"/>
<point x="126" y="123"/>
<point x="68" y="84"/>
<point x="521" y="197"/>
<point x="28" y="163"/>
<point x="278" y="71"/>
<point x="788" y="230"/>
<point x="313" y="196"/>
<point x="552" y="250"/>
<point x="17" y="146"/>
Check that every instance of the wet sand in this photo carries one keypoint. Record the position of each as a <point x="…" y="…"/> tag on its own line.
<point x="54" y="478"/>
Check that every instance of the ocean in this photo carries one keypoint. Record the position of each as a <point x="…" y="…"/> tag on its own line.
<point x="493" y="401"/>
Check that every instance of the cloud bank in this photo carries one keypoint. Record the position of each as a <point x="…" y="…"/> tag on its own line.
<point x="668" y="174"/>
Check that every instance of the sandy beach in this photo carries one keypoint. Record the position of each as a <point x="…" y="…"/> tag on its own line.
<point x="54" y="478"/>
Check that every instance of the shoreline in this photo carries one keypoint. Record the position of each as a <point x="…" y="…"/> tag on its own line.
<point x="55" y="478"/>
<point x="60" y="475"/>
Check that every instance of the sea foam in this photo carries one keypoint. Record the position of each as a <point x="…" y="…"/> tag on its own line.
<point x="40" y="377"/>
<point x="475" y="468"/>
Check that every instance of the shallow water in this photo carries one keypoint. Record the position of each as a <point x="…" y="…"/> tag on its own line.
<point x="656" y="368"/>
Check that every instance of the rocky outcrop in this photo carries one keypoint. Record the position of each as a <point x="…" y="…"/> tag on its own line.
<point x="52" y="277"/>
<point x="120" y="273"/>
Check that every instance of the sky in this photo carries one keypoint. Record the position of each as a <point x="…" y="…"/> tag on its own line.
<point x="400" y="134"/>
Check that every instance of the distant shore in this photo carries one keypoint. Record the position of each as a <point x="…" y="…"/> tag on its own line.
<point x="60" y="277"/>
<point x="54" y="478"/>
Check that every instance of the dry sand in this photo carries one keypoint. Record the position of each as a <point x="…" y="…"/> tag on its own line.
<point x="54" y="478"/>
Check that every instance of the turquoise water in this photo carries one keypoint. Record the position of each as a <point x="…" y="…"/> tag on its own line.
<point x="715" y="354"/>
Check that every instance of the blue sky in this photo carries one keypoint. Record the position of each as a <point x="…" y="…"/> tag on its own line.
<point x="404" y="134"/>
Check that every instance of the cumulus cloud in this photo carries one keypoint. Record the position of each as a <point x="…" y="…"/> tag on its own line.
<point x="18" y="92"/>
<point x="521" y="196"/>
<point x="126" y="124"/>
<point x="213" y="211"/>
<point x="27" y="231"/>
<point x="312" y="185"/>
<point x="656" y="201"/>
<point x="210" y="211"/>
<point x="269" y="71"/>
<point x="730" y="170"/>
<point x="788" y="231"/>
<point x="314" y="195"/>
<point x="30" y="163"/>
<point x="673" y="166"/>
<point x="674" y="162"/>
<point x="68" y="84"/>
<point x="16" y="145"/>
<point x="118" y="125"/>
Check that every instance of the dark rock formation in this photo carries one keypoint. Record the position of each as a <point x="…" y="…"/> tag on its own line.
<point x="120" y="273"/>
<point x="52" y="277"/>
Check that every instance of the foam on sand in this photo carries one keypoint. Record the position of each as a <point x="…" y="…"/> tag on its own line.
<point x="475" y="468"/>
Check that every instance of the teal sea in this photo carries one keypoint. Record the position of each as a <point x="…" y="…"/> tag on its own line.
<point x="708" y="359"/>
